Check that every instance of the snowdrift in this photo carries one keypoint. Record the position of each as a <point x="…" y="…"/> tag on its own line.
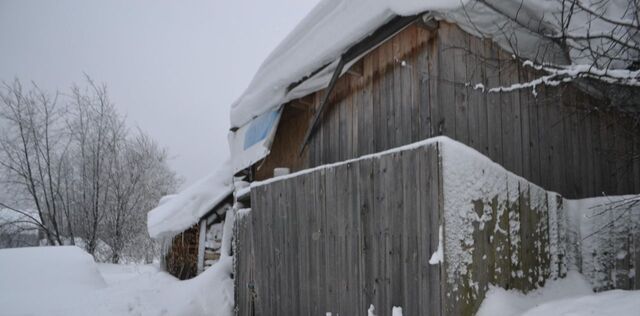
<point x="46" y="274"/>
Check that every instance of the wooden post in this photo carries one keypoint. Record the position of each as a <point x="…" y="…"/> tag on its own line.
<point x="202" y="237"/>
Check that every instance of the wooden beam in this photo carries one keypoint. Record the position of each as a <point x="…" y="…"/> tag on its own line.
<point x="428" y="22"/>
<point x="357" y="69"/>
<point x="202" y="238"/>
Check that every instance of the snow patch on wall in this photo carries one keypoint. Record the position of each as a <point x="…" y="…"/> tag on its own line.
<point x="438" y="256"/>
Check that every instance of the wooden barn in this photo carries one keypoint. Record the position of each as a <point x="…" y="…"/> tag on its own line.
<point x="189" y="224"/>
<point x="413" y="183"/>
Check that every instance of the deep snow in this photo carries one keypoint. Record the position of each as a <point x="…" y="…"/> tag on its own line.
<point x="66" y="281"/>
<point x="571" y="296"/>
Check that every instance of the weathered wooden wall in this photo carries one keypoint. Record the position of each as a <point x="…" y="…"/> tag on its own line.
<point x="341" y="238"/>
<point x="420" y="84"/>
<point x="499" y="230"/>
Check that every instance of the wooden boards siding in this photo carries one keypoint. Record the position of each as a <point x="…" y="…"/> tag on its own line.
<point x="341" y="238"/>
<point x="423" y="83"/>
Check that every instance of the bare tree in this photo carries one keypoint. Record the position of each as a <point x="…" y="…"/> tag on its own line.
<point x="71" y="158"/>
<point x="30" y="155"/>
<point x="138" y="178"/>
<point x="575" y="39"/>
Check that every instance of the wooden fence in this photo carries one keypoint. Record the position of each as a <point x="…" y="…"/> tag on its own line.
<point x="338" y="238"/>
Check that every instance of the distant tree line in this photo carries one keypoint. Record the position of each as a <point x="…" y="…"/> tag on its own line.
<point x="70" y="157"/>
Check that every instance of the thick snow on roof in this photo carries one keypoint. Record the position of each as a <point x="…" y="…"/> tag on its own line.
<point x="179" y="212"/>
<point x="329" y="30"/>
<point x="335" y="25"/>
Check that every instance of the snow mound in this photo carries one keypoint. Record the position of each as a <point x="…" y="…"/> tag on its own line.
<point x="618" y="302"/>
<point x="46" y="273"/>
<point x="501" y="302"/>
<point x="179" y="212"/>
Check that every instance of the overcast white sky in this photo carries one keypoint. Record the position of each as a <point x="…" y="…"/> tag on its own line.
<point x="172" y="67"/>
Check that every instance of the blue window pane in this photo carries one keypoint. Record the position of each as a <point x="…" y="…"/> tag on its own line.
<point x="260" y="128"/>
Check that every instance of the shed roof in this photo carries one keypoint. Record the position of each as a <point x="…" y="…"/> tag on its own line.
<point x="315" y="45"/>
<point x="175" y="214"/>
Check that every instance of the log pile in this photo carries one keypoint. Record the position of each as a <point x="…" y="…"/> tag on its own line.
<point x="182" y="258"/>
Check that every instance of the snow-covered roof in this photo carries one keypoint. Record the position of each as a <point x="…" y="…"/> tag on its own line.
<point x="333" y="26"/>
<point x="175" y="214"/>
<point x="325" y="33"/>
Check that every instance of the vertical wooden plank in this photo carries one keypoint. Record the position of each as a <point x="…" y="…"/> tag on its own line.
<point x="423" y="83"/>
<point x="409" y="258"/>
<point x="596" y="151"/>
<point x="388" y="95"/>
<point x="510" y="115"/>
<point x="433" y="75"/>
<point x="330" y="254"/>
<point x="366" y="193"/>
<point x="386" y="174"/>
<point x="355" y="109"/>
<point x="358" y="306"/>
<point x="477" y="98"/>
<point x="525" y="130"/>
<point x="379" y="99"/>
<point x="296" y="286"/>
<point x="494" y="121"/>
<point x="446" y="80"/>
<point x="304" y="233"/>
<point x="636" y="168"/>
<point x="556" y="135"/>
<point x="367" y="137"/>
<point x="459" y="50"/>
<point x="435" y="202"/>
<point x="535" y="149"/>
<point x="396" y="89"/>
<point x="396" y="229"/>
<point x="412" y="81"/>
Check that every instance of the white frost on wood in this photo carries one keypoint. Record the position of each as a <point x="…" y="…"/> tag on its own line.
<point x="185" y="209"/>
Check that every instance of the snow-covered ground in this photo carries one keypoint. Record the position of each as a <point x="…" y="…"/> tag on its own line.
<point x="571" y="296"/>
<point x="66" y="281"/>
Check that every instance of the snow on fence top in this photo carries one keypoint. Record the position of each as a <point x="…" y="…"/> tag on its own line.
<point x="179" y="212"/>
<point x="333" y="26"/>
